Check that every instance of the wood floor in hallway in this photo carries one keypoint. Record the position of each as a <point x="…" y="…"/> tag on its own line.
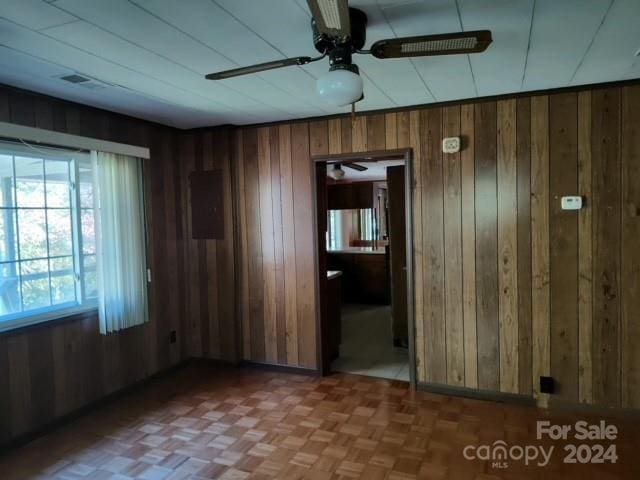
<point x="228" y="423"/>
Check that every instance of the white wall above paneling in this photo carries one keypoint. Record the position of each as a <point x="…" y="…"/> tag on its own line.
<point x="153" y="54"/>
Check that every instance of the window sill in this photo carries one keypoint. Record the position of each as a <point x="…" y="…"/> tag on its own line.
<point x="74" y="313"/>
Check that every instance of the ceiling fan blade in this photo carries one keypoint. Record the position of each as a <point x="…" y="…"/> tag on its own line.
<point x="355" y="166"/>
<point x="260" y="67"/>
<point x="426" y="45"/>
<point x="331" y="17"/>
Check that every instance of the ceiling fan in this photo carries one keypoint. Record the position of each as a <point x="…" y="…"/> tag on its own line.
<point x="338" y="173"/>
<point x="340" y="31"/>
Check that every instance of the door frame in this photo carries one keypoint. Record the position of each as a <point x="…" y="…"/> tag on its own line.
<point x="405" y="154"/>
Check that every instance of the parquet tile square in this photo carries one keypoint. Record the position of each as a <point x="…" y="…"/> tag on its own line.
<point x="241" y="424"/>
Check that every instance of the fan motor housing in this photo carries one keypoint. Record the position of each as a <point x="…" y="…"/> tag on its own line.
<point x="325" y="44"/>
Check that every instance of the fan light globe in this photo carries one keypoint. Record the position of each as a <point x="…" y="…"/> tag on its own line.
<point x="340" y="87"/>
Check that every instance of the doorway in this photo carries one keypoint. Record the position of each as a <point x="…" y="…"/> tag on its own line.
<point x="364" y="264"/>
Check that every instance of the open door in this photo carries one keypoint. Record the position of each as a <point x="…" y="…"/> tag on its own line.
<point x="398" y="253"/>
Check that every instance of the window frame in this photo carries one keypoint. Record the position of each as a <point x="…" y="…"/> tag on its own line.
<point x="81" y="304"/>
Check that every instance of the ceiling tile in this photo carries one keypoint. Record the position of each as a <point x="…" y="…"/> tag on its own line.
<point x="447" y="77"/>
<point x="613" y="51"/>
<point x="44" y="48"/>
<point x="560" y="36"/>
<point x="217" y="29"/>
<point x="500" y="68"/>
<point x="154" y="53"/>
<point x="286" y="26"/>
<point x="33" y="14"/>
<point x="25" y="72"/>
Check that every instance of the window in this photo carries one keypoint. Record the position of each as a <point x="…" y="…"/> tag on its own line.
<point x="346" y="226"/>
<point x="47" y="234"/>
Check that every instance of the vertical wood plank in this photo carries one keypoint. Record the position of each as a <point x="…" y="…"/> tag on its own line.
<point x="359" y="134"/>
<point x="193" y="290"/>
<point x="487" y="247"/>
<point x="305" y="274"/>
<point x="403" y="130"/>
<point x="413" y="120"/>
<point x="180" y="187"/>
<point x="268" y="250"/>
<point x="228" y="340"/>
<point x="523" y="138"/>
<point x="254" y="244"/>
<point x="44" y="113"/>
<point x="5" y="386"/>
<point x="467" y="170"/>
<point x="276" y="198"/>
<point x="563" y="243"/>
<point x="540" y="318"/>
<point x="508" y="245"/>
<point x="318" y="138"/>
<point x="201" y="269"/>
<point x="453" y="252"/>
<point x="335" y="135"/>
<point x="606" y="245"/>
<point x="390" y="130"/>
<point x="433" y="246"/>
<point x="630" y="281"/>
<point x="244" y="306"/>
<point x="19" y="384"/>
<point x="210" y="268"/>
<point x="163" y="216"/>
<point x="585" y="251"/>
<point x="375" y="128"/>
<point x="346" y="143"/>
<point x="22" y="108"/>
<point x="5" y="111"/>
<point x="289" y="244"/>
<point x="40" y="364"/>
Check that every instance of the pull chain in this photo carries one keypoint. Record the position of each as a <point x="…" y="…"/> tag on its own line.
<point x="353" y="112"/>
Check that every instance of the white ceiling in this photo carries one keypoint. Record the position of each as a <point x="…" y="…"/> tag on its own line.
<point x="153" y="54"/>
<point x="375" y="171"/>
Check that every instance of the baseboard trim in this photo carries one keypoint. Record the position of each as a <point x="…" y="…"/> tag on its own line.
<point x="67" y="418"/>
<point x="475" y="394"/>
<point x="274" y="367"/>
<point x="557" y="405"/>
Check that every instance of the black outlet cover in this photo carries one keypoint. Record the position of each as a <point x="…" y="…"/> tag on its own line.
<point x="172" y="336"/>
<point x="547" y="385"/>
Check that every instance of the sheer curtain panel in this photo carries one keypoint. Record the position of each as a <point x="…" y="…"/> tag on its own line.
<point x="120" y="231"/>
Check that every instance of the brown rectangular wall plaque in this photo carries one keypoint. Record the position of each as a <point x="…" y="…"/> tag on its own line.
<point x="207" y="204"/>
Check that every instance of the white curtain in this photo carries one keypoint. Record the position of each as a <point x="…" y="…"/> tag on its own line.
<point x="120" y="232"/>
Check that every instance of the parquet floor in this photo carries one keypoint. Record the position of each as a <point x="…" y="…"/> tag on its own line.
<point x="204" y="422"/>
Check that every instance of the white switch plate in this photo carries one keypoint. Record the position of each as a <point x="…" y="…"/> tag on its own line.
<point x="571" y="203"/>
<point x="451" y="145"/>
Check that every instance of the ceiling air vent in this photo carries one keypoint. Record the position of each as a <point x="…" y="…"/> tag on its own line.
<point x="74" y="78"/>
<point x="85" y="82"/>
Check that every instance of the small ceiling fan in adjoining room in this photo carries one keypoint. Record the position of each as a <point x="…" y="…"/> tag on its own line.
<point x="337" y="173"/>
<point x="339" y="32"/>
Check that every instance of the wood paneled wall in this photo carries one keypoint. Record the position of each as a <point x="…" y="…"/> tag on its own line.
<point x="208" y="282"/>
<point x="276" y="246"/>
<point x="508" y="286"/>
<point x="54" y="368"/>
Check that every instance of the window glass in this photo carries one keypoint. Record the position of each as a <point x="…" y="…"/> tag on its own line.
<point x="57" y="177"/>
<point x="47" y="236"/>
<point x="10" y="298"/>
<point x="35" y="284"/>
<point x="29" y="179"/>
<point x="32" y="231"/>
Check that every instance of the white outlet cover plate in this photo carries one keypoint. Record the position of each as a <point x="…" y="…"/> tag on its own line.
<point x="451" y="145"/>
